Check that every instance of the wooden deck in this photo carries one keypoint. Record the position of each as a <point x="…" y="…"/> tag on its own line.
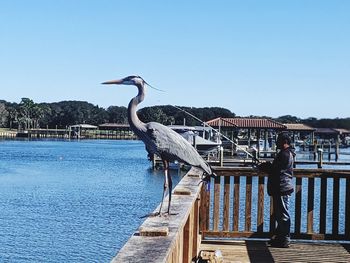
<point x="260" y="251"/>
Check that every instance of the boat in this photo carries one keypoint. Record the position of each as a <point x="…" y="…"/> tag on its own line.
<point x="204" y="139"/>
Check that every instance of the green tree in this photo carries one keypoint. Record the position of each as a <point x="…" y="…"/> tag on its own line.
<point x="156" y="114"/>
<point x="117" y="114"/>
<point x="3" y="115"/>
<point x="26" y="112"/>
<point x="288" y="119"/>
<point x="12" y="120"/>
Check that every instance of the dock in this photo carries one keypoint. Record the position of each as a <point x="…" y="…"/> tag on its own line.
<point x="122" y="132"/>
<point x="259" y="251"/>
<point x="231" y="220"/>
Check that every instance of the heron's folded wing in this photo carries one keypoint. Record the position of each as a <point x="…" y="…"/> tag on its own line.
<point x="172" y="145"/>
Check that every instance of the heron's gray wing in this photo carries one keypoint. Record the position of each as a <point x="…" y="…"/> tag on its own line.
<point x="172" y="146"/>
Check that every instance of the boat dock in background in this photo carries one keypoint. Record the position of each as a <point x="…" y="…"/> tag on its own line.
<point x="204" y="139"/>
<point x="110" y="131"/>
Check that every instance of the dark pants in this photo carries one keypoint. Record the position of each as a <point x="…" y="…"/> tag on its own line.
<point x="282" y="217"/>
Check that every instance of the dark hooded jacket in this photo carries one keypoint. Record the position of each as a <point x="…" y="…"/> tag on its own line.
<point x="281" y="172"/>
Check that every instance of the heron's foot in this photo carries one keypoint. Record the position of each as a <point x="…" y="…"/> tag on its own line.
<point x="168" y="214"/>
<point x="151" y="215"/>
<point x="172" y="214"/>
<point x="165" y="214"/>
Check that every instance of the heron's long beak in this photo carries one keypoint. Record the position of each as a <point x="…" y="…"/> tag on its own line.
<point x="117" y="81"/>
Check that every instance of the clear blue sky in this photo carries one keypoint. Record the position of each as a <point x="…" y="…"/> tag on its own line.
<point x="268" y="58"/>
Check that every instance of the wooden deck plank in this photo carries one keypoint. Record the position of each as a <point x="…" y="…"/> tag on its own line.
<point x="260" y="251"/>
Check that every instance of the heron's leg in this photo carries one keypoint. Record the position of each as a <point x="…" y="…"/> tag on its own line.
<point x="165" y="167"/>
<point x="170" y="187"/>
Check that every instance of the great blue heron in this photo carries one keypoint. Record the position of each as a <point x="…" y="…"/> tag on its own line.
<point x="159" y="139"/>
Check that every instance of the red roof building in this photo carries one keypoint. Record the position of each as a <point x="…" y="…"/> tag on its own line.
<point x="247" y="123"/>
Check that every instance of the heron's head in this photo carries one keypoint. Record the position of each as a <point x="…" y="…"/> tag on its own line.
<point x="130" y="80"/>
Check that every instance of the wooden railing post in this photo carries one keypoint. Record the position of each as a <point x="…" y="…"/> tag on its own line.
<point x="187" y="241"/>
<point x="226" y="214"/>
<point x="204" y="209"/>
<point x="347" y="209"/>
<point x="216" y="203"/>
<point x="260" y="221"/>
<point x="335" y="217"/>
<point x="323" y="205"/>
<point x="310" y="206"/>
<point x="297" y="218"/>
<point x="248" y="204"/>
<point x="236" y="203"/>
<point x="320" y="158"/>
<point x="195" y="234"/>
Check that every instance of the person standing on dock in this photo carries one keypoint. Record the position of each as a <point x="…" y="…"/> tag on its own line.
<point x="280" y="187"/>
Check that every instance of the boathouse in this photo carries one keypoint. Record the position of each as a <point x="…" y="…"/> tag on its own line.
<point x="327" y="134"/>
<point x="300" y="131"/>
<point x="116" y="131"/>
<point x="331" y="133"/>
<point x="80" y="130"/>
<point x="249" y="131"/>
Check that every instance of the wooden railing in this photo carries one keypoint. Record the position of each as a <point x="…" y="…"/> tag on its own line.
<point x="173" y="238"/>
<point x="237" y="205"/>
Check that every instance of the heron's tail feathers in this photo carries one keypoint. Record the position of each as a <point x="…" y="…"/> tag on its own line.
<point x="208" y="171"/>
<point x="207" y="175"/>
<point x="206" y="179"/>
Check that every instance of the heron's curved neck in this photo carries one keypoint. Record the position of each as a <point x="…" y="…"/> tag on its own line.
<point x="134" y="121"/>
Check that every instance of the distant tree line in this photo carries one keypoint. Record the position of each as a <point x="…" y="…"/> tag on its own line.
<point x="27" y="115"/>
<point x="343" y="123"/>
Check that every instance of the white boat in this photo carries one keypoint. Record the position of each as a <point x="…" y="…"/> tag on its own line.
<point x="204" y="139"/>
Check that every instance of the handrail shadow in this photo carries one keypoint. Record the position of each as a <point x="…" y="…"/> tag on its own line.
<point x="258" y="251"/>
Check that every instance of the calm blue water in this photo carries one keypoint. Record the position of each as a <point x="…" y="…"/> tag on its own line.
<point x="73" y="201"/>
